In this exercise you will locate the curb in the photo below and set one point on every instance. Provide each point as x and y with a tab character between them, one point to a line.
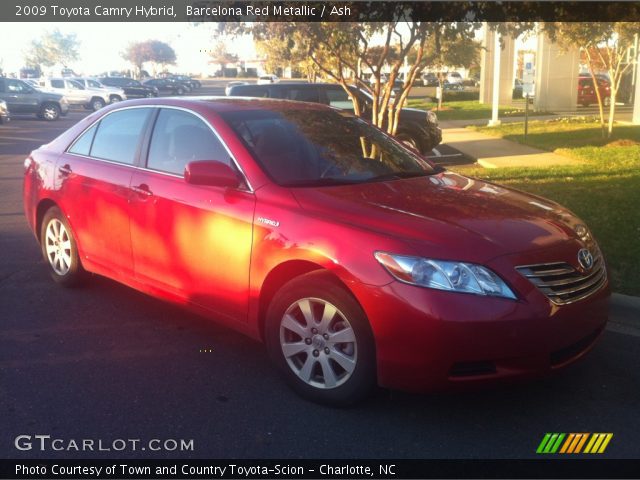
624	314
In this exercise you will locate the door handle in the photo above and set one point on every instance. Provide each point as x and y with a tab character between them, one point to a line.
142	189
65	170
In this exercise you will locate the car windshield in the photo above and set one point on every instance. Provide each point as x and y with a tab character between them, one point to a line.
299	147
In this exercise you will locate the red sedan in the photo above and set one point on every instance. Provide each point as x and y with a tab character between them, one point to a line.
587	93
353	258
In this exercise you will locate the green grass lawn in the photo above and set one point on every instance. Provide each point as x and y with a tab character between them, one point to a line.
604	190
468	109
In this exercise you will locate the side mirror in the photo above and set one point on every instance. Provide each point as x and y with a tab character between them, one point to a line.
211	173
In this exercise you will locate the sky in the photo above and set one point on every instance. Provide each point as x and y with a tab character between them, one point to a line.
102	43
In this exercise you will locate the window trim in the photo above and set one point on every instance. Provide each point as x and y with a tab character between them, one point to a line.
146	138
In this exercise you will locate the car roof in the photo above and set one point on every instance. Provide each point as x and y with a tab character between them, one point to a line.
229	104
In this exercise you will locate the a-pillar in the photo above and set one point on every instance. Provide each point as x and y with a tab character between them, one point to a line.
556	77
487	55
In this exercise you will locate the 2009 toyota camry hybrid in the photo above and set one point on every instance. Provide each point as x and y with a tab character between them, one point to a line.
352	257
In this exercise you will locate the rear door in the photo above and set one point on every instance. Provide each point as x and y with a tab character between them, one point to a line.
94	175
193	242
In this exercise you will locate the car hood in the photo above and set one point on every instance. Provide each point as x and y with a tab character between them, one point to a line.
47	95
446	211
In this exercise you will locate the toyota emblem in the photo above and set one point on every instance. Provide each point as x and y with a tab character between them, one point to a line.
585	259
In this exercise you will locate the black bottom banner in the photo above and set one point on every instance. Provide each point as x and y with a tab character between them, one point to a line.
318	469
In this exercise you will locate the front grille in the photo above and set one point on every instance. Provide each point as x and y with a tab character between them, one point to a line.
562	283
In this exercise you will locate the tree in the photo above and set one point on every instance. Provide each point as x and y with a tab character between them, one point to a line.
606	46
154	51
450	45
52	48
161	53
221	56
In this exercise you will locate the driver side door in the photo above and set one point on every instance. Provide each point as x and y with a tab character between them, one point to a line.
192	242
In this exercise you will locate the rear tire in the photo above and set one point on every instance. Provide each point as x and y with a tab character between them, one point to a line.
97	104
321	341
49	112
60	250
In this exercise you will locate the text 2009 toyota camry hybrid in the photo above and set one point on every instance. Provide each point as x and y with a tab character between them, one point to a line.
353	258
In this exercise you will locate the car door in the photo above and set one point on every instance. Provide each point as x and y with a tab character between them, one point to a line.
20	97
94	176
76	93
191	241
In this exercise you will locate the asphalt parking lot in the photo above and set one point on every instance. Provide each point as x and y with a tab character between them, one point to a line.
106	362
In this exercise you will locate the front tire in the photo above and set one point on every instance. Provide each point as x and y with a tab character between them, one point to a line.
60	250
409	140
320	339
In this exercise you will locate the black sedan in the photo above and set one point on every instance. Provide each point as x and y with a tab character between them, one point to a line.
168	86
132	88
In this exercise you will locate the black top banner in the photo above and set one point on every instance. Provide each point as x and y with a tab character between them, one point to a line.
303	11
317	469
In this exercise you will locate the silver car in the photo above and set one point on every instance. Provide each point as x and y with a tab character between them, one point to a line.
115	94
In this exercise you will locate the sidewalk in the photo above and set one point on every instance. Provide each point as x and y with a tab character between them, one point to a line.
494	152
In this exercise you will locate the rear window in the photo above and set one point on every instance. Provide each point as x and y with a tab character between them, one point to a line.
119	134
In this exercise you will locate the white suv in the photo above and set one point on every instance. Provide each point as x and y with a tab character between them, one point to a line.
76	93
115	94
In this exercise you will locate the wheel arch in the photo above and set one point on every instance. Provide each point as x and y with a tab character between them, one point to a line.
43	206
285	272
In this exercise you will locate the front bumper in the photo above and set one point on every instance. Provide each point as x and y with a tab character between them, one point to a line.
430	340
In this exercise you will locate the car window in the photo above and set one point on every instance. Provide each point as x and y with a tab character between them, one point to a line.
304	95
94	84
249	91
339	98
82	146
302	147
57	83
118	135
16	86
180	137
74	85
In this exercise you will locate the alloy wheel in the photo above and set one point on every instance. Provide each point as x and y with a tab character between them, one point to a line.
58	247
318	343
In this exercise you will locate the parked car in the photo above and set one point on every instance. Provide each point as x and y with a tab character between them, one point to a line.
5	116
353	258
132	88
454	78
192	82
227	89
416	128
430	80
22	98
587	93
168	86
267	79
115	94
76	93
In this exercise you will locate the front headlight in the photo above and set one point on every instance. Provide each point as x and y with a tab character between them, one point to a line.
445	275
432	117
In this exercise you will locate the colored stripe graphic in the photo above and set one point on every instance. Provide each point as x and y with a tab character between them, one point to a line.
574	443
